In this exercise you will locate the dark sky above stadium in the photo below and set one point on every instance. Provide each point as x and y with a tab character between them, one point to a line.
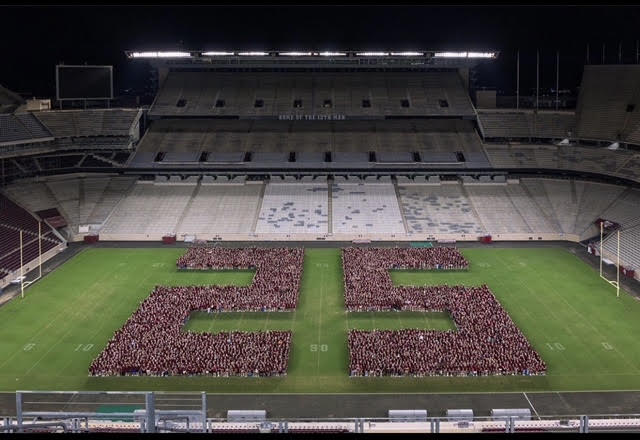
36	38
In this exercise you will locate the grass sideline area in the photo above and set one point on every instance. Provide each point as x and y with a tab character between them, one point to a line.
587	337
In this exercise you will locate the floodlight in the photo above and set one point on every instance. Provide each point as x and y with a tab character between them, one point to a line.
160	54
451	54
481	54
296	54
407	54
332	54
372	54
217	54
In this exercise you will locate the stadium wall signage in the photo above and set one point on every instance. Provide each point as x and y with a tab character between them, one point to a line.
311	117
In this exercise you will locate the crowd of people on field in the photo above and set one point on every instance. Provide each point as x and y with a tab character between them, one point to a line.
485	342
152	341
275	286
367	281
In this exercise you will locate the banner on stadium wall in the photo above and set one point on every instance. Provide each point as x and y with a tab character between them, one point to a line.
169	239
289	117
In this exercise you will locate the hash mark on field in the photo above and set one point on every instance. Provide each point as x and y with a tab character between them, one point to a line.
607	346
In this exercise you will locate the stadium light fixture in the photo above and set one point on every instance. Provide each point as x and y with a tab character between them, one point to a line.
481	55
217	54
372	54
407	54
465	54
253	54
160	55
332	54
296	54
451	54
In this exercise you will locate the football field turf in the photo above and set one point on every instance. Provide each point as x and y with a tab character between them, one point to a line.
587	336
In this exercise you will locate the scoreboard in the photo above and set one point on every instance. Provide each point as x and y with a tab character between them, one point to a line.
84	82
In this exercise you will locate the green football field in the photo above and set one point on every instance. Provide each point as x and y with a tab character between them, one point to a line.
587	336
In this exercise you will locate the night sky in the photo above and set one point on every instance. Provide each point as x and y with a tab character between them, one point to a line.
41	36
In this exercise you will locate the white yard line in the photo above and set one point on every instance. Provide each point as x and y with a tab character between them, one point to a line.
531	405
320	317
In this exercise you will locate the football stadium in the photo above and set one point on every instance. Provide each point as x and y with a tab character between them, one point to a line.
321	241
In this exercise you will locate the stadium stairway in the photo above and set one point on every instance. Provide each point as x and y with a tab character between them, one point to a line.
574	197
398	199
473	207
52	196
592	232
256	215
124	196
552	219
194	194
520	213
107	160
16	164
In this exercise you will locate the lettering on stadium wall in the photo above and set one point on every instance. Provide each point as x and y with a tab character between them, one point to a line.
311	117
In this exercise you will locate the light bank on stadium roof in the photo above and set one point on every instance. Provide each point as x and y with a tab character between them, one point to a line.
222	53
389	59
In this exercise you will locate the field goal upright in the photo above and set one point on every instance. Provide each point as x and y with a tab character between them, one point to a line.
615	283
24	283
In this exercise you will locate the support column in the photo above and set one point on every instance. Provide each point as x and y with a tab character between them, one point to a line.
19	410
584	425
620	52
204	412
557	78
150	407
518	79
537	78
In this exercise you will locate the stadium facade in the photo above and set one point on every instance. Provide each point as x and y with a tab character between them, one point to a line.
330	146
357	147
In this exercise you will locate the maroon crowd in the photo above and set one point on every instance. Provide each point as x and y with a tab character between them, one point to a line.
368	285
485	342
152	341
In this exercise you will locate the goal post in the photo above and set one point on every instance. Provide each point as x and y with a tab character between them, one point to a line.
615	283
24	283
